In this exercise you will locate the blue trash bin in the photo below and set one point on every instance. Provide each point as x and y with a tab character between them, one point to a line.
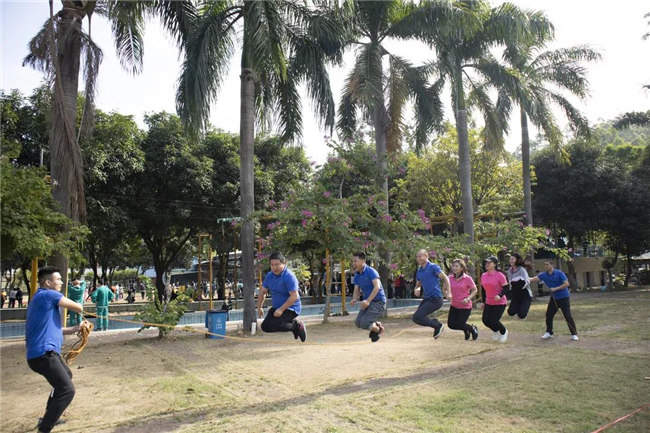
215	321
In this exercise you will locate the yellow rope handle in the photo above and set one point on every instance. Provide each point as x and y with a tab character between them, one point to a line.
84	330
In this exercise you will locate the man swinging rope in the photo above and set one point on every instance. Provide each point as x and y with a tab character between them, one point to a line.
558	283
43	340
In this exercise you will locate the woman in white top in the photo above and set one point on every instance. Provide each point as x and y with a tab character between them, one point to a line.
519	288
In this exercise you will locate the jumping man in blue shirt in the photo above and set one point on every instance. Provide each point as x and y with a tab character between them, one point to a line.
428	278
372	307
558	284
43	340
285	300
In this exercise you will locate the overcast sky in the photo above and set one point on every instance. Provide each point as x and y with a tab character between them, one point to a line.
613	28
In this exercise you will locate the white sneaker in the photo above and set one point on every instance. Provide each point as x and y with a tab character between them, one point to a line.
574	338
496	335
503	337
546	336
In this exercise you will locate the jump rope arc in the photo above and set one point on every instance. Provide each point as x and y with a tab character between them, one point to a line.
78	346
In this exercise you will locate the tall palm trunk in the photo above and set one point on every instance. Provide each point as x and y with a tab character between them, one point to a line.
246	148
525	162
65	155
464	165
380	120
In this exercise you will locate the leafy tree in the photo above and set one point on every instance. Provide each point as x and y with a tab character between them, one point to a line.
112	158
30	227
24	120
171	197
432	184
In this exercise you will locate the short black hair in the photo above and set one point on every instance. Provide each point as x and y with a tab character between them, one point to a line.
360	254
46	271
276	255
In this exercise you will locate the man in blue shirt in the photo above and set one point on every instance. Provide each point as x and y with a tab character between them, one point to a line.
285	300
428	278
372	307
43	339
558	284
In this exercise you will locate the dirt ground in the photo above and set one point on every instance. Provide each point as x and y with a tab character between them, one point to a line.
339	382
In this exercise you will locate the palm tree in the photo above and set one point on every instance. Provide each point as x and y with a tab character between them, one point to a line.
468	50
380	94
540	78
283	43
57	50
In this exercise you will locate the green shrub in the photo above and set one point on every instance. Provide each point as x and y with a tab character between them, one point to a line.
163	313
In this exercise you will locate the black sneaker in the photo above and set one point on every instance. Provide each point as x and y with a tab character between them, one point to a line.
438	331
474	332
296	326
374	336
302	331
466	332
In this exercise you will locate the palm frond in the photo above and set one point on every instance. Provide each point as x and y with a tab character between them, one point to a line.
178	16
127	25
398	93
92	55
495	127
205	65
39	48
263	41
633	118
577	121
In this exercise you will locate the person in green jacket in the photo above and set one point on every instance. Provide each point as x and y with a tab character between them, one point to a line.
101	297
76	290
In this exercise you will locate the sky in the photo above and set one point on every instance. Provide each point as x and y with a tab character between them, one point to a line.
615	29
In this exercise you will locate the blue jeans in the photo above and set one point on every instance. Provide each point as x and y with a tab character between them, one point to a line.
426	307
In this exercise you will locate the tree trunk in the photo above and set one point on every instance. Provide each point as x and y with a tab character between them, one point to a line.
66	166
628	269
159	267
380	123
246	149
464	165
328	291
525	162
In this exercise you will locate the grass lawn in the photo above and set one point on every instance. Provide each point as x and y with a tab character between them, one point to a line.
404	383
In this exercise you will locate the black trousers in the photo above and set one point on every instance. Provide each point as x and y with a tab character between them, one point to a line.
520	300
565	305
57	373
284	323
492	317
457	318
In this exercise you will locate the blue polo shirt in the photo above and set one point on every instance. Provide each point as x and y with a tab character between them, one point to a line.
280	287
43	327
555	279
364	280
428	276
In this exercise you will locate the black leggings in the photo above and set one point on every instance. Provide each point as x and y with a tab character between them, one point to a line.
565	305
284	323
59	376
492	317
457	319
520	303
